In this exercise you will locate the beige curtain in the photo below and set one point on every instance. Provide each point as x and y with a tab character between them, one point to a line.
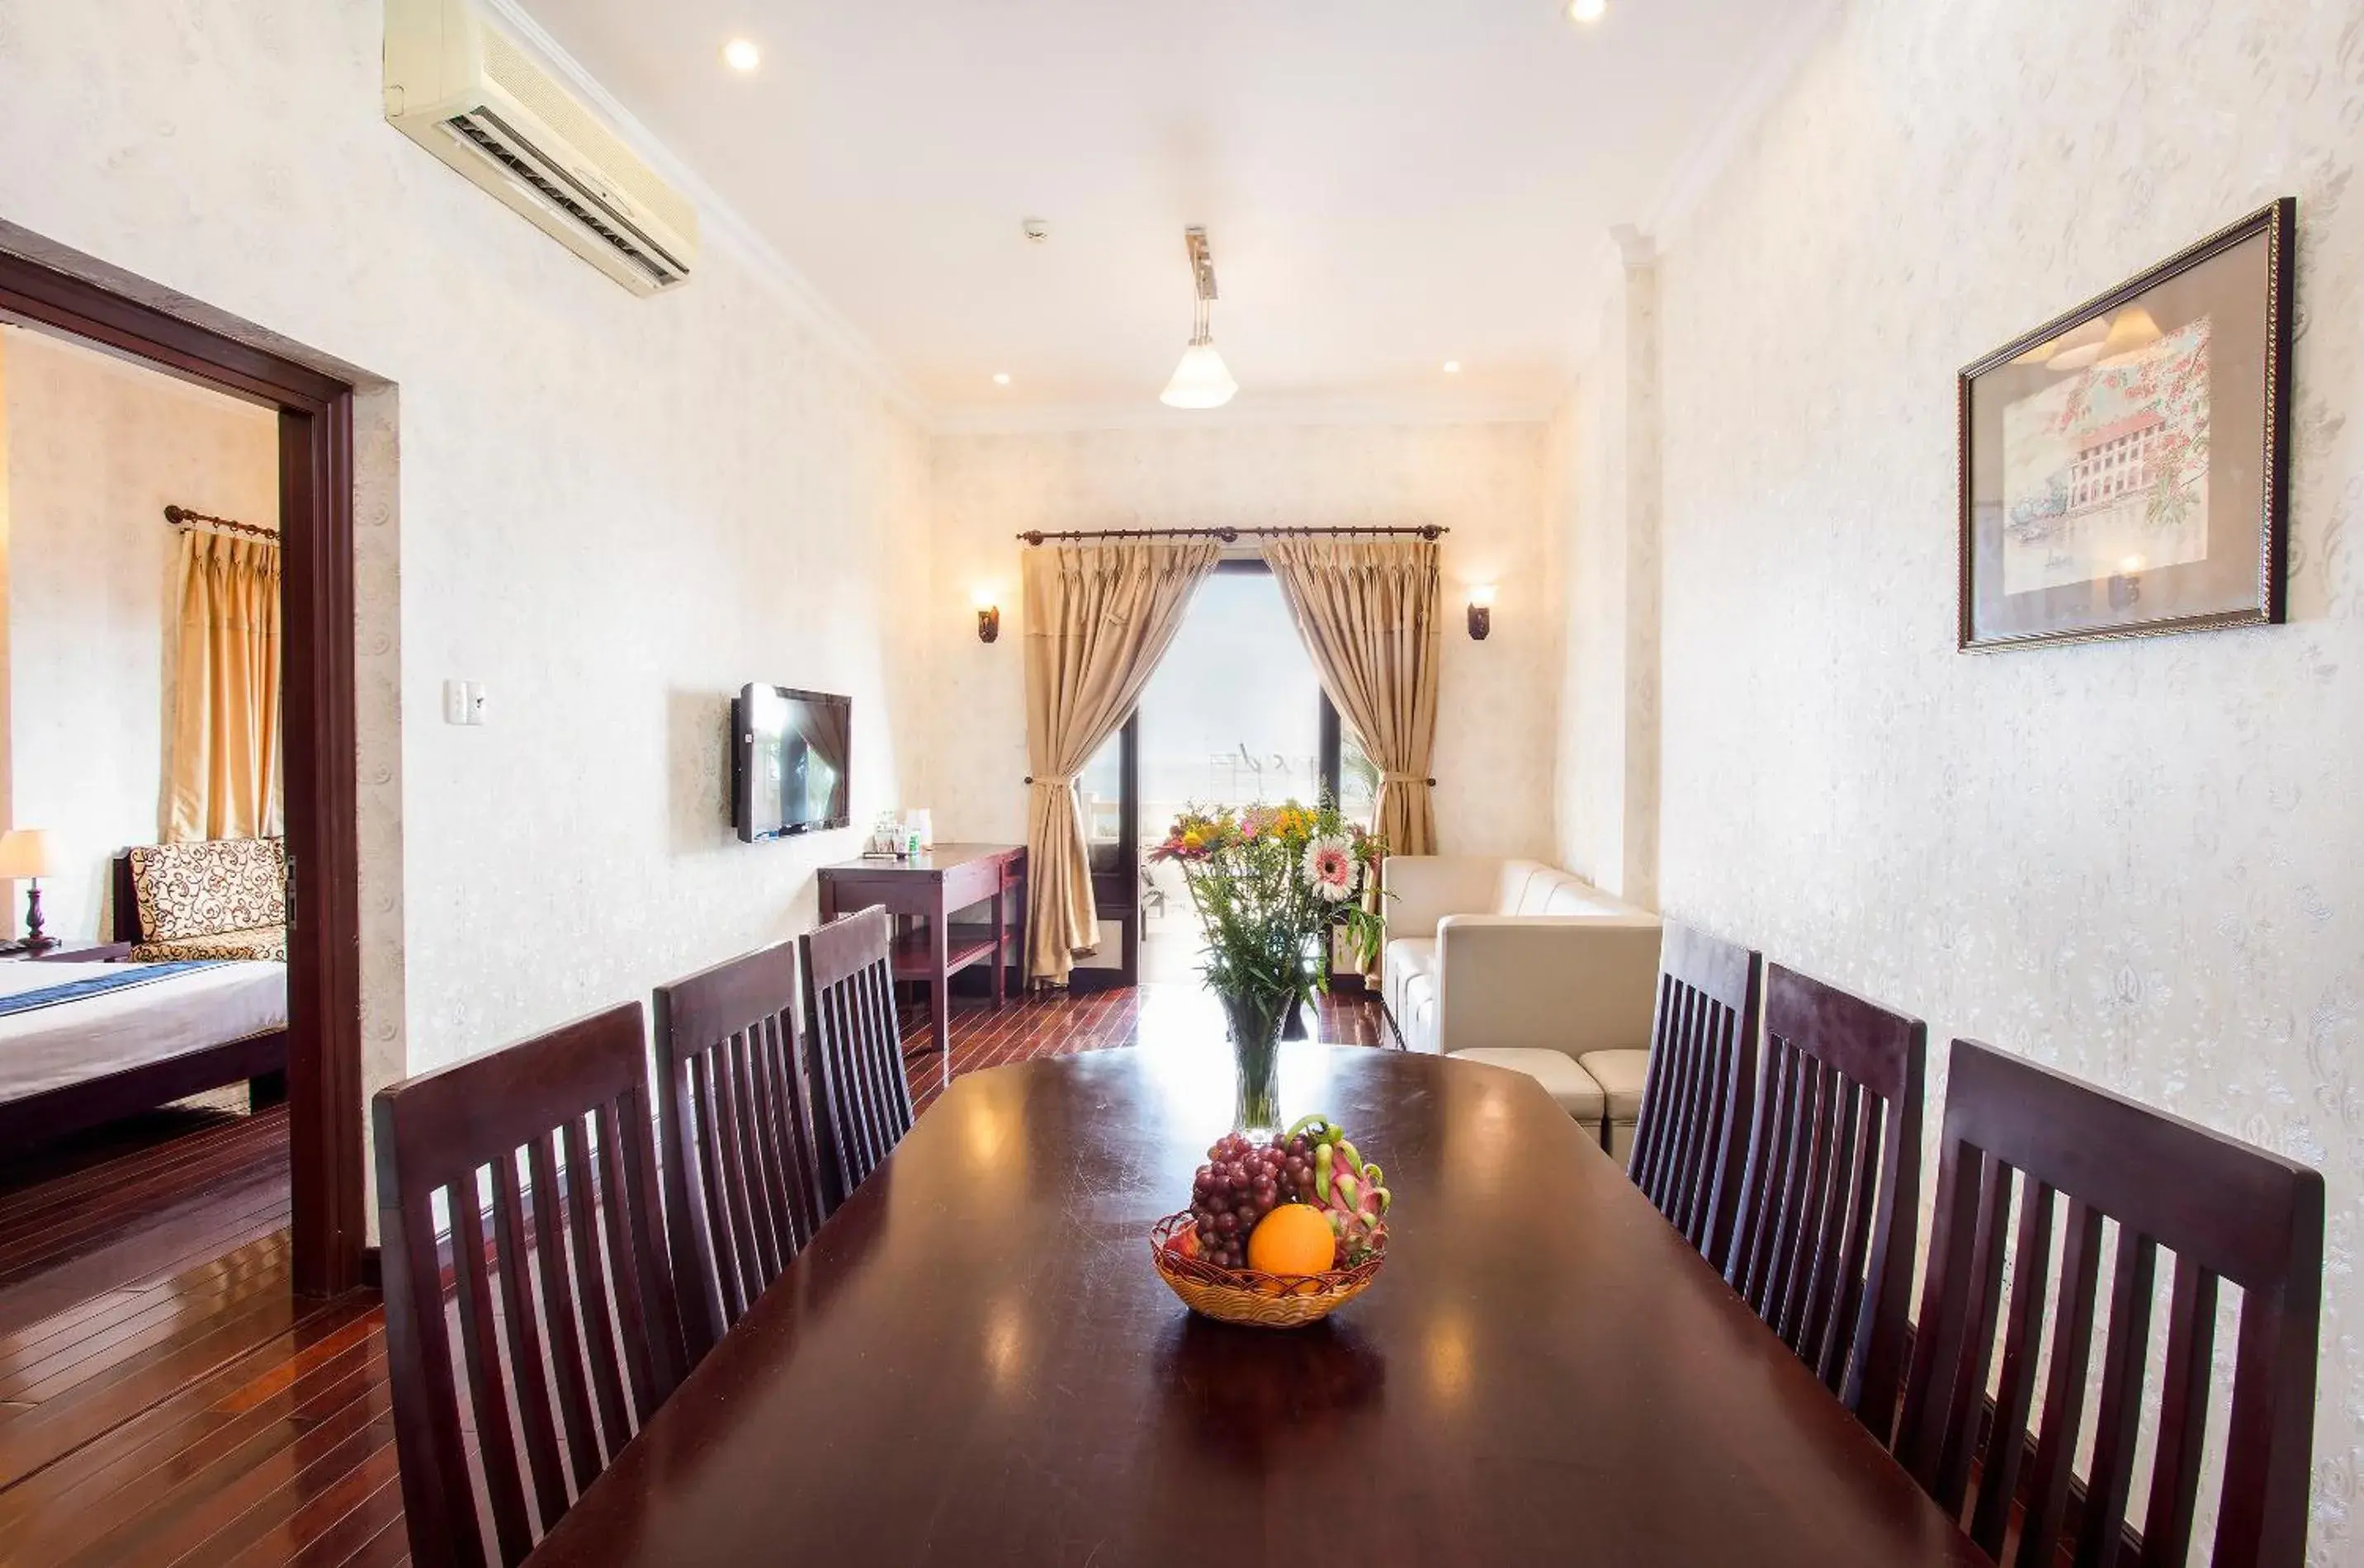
224	733
1371	614
1098	617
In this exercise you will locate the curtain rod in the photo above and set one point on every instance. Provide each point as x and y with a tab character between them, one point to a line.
182	517
1229	536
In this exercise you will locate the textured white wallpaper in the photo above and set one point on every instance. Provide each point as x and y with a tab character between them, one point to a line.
2140	862
613	511
1495	727
1604	474
96	449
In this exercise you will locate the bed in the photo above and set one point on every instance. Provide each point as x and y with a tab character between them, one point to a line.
86	1043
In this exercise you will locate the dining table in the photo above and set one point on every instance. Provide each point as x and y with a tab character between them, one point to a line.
975	1361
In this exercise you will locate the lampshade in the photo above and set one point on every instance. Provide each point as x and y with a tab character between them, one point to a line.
1200	380
27	851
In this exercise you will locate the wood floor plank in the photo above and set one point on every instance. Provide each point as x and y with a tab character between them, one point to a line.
157	1448
144	1492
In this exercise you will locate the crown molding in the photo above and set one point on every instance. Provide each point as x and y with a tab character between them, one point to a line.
1712	152
719	220
1077	418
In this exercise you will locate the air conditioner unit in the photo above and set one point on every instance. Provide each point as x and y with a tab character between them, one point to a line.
462	87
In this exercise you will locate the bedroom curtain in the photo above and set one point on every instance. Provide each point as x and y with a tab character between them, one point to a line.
224	732
1098	617
1370	612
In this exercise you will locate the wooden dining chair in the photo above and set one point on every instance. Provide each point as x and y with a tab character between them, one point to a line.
1693	1134
1823	1243
741	1167
2226	1211
569	1297
858	1049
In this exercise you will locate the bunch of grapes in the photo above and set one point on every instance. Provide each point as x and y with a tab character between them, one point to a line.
1240	1182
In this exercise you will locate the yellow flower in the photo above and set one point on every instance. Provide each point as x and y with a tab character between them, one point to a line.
1194	840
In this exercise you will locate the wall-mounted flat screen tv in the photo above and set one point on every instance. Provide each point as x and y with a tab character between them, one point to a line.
792	760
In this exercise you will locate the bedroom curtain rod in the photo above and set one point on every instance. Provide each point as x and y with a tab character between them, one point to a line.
182	517
1230	535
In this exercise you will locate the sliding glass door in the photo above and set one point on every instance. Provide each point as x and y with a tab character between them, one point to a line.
1235	716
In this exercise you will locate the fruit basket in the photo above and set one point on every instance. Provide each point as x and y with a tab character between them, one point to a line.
1251	1296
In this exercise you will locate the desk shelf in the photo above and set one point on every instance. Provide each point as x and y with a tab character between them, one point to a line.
914	956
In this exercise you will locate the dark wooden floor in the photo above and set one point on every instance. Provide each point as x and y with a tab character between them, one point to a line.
165	1399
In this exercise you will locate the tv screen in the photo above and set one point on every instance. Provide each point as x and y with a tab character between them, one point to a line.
792	755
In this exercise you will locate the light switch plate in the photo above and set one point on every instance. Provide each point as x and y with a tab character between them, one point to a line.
455	702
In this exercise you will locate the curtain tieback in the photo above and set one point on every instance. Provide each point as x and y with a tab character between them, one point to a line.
1408	779
1056	780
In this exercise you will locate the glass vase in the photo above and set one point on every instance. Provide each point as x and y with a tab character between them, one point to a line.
1255	1020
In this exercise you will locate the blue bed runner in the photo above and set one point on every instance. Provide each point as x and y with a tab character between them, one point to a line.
100	984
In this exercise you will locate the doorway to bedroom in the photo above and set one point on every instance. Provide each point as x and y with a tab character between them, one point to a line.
180	1057
143	947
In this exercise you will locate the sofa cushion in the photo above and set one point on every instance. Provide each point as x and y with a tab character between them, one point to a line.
1621	1076
1563	1078
1620	1142
1570	896
1406	956
263	944
1525	884
1415	1013
208	886
1405	959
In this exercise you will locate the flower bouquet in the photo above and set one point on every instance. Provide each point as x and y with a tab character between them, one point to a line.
1270	884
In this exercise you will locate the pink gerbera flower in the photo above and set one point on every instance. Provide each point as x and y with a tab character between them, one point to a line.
1330	867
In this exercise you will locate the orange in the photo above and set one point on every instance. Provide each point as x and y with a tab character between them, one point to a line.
1293	1240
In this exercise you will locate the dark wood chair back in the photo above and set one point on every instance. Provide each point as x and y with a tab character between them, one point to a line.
2226	1211
571	1295
1823	1247
1693	1133
741	1168
857	1050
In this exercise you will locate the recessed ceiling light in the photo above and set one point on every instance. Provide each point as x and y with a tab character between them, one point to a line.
1453	367
1586	10
1001	378
741	54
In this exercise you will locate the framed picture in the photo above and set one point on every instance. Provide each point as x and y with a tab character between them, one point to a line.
2124	468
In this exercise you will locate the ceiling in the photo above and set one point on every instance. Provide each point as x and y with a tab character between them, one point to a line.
1387	183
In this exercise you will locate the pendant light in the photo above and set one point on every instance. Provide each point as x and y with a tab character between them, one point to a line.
1201	380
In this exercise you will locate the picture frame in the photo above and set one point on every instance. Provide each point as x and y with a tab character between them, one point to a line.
2124	470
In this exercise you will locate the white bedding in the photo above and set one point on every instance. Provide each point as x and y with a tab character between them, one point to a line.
73	1042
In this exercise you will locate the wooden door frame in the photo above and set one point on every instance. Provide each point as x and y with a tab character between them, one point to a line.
316	520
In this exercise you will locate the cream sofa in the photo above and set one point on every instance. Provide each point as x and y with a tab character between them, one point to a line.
1513	964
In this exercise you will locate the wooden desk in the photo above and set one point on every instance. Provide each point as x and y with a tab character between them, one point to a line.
931	888
973	1362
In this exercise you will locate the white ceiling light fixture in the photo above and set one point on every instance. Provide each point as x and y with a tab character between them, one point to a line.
741	54
1453	367
1586	10
1201	380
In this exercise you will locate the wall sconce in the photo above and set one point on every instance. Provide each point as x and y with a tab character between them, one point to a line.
988	618
1481	611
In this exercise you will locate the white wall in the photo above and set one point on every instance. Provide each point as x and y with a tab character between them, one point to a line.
2141	861
1484	482
1606	498
97	448
613	511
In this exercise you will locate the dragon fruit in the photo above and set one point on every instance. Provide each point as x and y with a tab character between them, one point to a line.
1351	1194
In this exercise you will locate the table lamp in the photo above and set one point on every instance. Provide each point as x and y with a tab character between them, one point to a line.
26	853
